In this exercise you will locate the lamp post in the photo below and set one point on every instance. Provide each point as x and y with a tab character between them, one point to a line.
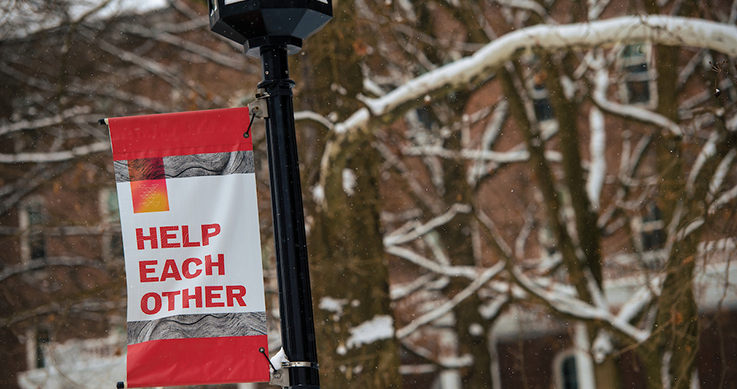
272	29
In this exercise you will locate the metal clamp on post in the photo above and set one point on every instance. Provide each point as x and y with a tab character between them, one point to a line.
258	107
311	365
281	377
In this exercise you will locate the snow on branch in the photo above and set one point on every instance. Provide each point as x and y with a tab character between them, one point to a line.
87	90
499	241
597	295
639	301
491	133
392	239
379	328
573	307
12	193
596	8
315	117
56	156
601	82
204	52
528	5
494	308
658	29
499	157
453	271
85	307
597	168
725	198
709	150
442	362
732	123
397	292
44	122
446	307
720	173
158	69
417	189
50	262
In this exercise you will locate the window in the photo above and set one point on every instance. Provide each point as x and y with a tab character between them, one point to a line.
112	240
638	81
111	207
33	217
652	236
573	369
568	373
541	97
42	339
37	343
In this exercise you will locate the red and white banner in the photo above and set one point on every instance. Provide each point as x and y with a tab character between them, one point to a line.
189	218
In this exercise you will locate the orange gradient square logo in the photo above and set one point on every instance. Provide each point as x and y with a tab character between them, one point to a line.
148	185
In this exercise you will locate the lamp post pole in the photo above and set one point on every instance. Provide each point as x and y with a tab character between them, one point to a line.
272	29
295	299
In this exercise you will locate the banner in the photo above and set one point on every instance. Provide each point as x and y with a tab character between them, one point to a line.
189	219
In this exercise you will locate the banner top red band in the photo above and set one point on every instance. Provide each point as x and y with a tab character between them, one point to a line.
185	133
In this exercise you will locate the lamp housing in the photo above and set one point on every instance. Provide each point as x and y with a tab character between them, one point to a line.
256	23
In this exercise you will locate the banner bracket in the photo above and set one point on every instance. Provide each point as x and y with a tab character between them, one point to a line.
281	377
263	352
258	107
312	365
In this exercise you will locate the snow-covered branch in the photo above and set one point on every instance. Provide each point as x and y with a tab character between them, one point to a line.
658	29
417	189
12	193
597	168
148	65
524	234
50	262
74	308
499	157
90	90
528	5
158	69
56	156
442	362
397	239
722	200
237	63
709	150
601	82
314	117
44	122
720	173
575	308
498	240
452	271
446	307
491	133
397	292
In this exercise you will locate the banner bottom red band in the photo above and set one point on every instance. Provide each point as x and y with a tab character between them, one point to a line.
197	361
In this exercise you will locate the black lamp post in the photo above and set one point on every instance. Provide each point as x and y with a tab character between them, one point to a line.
272	29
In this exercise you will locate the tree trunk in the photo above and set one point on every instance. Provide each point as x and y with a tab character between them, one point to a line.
676	335
350	272
349	269
471	329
